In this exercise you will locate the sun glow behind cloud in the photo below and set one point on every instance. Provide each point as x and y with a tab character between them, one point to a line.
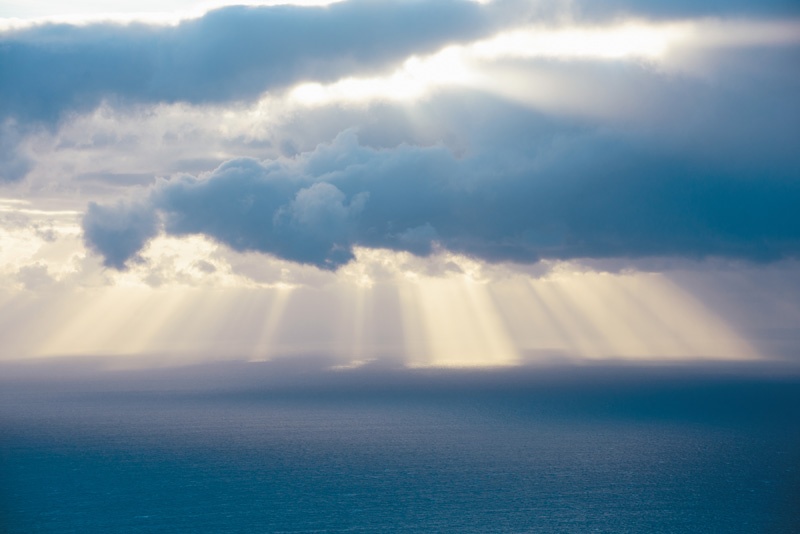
657	44
626	41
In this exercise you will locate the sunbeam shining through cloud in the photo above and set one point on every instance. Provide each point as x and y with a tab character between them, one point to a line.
416	266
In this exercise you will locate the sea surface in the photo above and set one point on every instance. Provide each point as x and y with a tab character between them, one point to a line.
511	452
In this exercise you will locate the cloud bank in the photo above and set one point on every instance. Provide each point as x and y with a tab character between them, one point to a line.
615	200
237	53
119	232
690	161
230	54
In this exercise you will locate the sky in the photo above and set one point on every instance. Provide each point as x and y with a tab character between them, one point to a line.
405	183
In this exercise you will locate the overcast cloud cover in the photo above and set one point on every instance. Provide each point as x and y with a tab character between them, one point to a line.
618	201
674	144
232	53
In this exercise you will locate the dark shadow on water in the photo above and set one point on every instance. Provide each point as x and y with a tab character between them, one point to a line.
293	446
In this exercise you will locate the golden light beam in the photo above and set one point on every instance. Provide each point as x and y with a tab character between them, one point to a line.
530	325
500	350
359	325
267	344
152	320
573	331
467	319
609	316
635	294
460	324
415	342
702	330
87	322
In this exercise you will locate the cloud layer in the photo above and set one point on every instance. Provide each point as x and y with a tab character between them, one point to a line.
600	197
691	154
230	54
237	53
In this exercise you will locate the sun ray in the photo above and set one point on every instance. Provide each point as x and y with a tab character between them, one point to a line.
267	345
359	325
705	333
85	325
500	350
528	321
415	343
636	291
573	332
461	325
152	320
609	316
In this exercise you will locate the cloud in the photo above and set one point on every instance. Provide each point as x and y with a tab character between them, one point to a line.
118	144
683	8
230	54
237	53
620	159
13	165
595	195
120	231
35	276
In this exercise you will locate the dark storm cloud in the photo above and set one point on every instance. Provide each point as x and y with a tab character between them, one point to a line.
598	195
230	54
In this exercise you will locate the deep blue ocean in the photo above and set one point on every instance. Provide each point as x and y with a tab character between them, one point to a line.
590	451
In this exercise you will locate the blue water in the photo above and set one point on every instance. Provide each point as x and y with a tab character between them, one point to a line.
430	455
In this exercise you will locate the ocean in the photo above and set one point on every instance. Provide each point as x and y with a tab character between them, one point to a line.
592	450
